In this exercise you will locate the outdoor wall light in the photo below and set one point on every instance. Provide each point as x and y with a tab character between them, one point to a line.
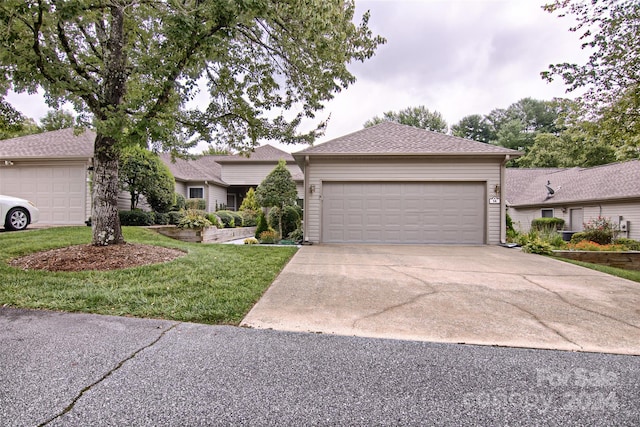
496	189
312	188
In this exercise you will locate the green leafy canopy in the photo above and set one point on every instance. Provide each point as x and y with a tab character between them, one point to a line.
136	65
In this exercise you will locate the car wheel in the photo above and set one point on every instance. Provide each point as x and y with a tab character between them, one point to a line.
17	219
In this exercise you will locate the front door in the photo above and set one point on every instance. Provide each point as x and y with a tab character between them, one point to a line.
577	219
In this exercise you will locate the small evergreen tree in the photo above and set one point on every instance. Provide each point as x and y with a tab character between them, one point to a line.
143	173
250	203
277	190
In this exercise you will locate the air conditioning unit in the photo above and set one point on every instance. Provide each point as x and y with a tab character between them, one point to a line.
624	226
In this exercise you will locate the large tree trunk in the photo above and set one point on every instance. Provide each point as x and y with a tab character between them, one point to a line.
105	221
104	212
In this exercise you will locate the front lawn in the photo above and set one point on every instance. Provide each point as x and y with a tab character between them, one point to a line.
619	272
215	284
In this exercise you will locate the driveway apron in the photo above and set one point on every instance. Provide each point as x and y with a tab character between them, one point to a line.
484	295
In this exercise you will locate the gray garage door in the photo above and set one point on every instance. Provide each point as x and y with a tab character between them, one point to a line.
403	212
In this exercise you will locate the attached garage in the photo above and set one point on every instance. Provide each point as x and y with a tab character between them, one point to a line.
59	191
404	212
51	170
398	184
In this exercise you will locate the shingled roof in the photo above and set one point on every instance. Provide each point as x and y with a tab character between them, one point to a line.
264	153
615	181
57	144
201	169
389	138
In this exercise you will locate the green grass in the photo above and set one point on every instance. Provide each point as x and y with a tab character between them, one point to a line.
214	284
619	272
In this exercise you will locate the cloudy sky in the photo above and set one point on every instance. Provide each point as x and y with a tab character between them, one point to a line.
458	57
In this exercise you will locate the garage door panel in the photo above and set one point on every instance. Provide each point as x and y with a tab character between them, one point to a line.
58	191
411	212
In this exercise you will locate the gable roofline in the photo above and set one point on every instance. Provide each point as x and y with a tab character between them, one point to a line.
263	154
525	188
394	139
53	145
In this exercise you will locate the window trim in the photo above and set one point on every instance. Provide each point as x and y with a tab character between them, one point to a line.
547	209
201	188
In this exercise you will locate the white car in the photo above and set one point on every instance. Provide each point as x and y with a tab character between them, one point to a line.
17	213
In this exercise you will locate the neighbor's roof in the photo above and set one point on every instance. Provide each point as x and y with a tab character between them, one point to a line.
57	144
389	138
615	181
264	153
201	169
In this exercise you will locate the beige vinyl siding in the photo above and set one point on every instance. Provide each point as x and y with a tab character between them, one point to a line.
215	194
251	174
300	189
402	169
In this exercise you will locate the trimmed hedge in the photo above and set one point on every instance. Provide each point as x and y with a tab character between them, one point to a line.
136	218
228	220
547	223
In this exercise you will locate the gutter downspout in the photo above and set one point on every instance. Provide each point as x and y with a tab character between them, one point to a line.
305	212
503	202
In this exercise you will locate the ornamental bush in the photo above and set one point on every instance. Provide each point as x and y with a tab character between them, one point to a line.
198	204
261	224
194	219
228	220
290	218
136	217
269	236
600	230
547	223
630	244
249	218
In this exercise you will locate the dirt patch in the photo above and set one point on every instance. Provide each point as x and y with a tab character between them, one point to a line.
101	258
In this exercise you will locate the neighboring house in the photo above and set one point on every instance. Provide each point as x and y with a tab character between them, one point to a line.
225	180
52	169
392	183
577	195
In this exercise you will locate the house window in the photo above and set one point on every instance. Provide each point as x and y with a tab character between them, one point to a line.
196	192
547	213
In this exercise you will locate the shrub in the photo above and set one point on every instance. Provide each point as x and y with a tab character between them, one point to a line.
290	219
537	246
630	244
161	218
181	203
600	230
261	224
227	219
136	218
237	218
547	223
250	203
585	245
578	237
296	235
199	204
269	236
251	241
249	218
214	220
175	217
194	219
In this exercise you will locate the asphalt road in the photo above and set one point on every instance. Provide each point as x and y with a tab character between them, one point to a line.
75	369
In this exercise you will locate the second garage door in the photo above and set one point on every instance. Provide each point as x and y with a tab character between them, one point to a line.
403	212
59	192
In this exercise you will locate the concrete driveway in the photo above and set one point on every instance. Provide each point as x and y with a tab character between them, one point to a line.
460	294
